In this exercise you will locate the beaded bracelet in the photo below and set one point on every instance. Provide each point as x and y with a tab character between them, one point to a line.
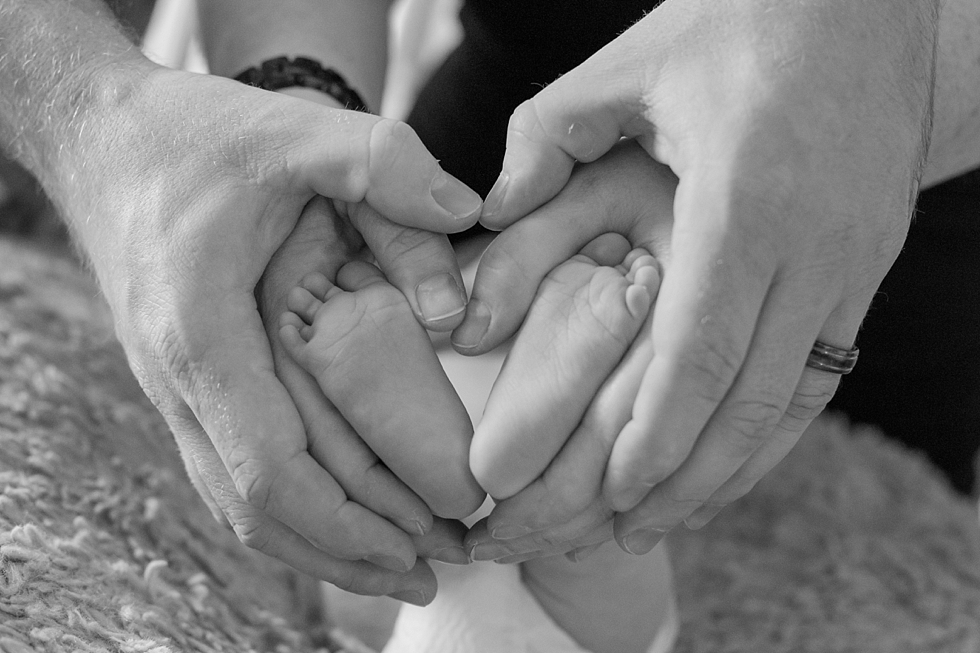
283	72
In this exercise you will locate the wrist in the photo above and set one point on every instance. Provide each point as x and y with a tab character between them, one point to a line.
302	72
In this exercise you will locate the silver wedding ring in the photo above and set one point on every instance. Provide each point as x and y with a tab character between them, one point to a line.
832	359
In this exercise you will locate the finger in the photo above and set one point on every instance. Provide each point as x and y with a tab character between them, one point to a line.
812	395
590	529
263	533
366	480
751	411
420	263
572	483
626	193
444	542
558	539
246	412
562	124
715	271
355	157
582	554
190	464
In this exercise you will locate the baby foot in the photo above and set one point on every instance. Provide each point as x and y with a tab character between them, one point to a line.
362	334
582	320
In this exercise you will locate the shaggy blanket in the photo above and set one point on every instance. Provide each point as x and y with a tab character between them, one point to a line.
851	544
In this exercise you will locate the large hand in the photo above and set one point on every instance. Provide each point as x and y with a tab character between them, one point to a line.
797	131
194	184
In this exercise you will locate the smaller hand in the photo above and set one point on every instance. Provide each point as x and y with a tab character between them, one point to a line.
624	195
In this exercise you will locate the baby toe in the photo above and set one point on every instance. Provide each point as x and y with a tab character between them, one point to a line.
303	304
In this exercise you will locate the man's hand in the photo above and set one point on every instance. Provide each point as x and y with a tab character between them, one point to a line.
195	182
797	132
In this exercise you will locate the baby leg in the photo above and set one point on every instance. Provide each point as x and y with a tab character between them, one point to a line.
610	603
580	324
362	334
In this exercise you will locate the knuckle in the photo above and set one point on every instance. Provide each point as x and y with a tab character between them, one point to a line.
253	482
407	243
808	402
347	583
389	139
751	422
256	534
500	261
525	121
713	364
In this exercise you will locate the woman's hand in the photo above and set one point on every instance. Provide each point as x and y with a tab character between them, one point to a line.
625	192
797	132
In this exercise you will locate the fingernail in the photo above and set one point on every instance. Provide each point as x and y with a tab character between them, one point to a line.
453	555
581	135
439	297
495	198
455	196
469	334
420	527
700	518
422	520
582	554
484	552
415	597
509	532
642	540
388	562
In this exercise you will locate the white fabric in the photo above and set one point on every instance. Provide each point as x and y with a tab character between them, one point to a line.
485	608
481	608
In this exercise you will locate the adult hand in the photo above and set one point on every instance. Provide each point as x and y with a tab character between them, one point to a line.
797	132
193	183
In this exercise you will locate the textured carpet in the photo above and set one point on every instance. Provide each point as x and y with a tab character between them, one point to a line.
850	545
104	546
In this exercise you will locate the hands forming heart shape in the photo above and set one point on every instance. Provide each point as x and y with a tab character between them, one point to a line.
660	370
367	357
380	413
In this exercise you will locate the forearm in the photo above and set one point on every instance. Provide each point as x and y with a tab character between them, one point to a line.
62	62
347	35
955	146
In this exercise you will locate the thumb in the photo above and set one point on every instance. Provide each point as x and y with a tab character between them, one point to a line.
579	117
383	162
